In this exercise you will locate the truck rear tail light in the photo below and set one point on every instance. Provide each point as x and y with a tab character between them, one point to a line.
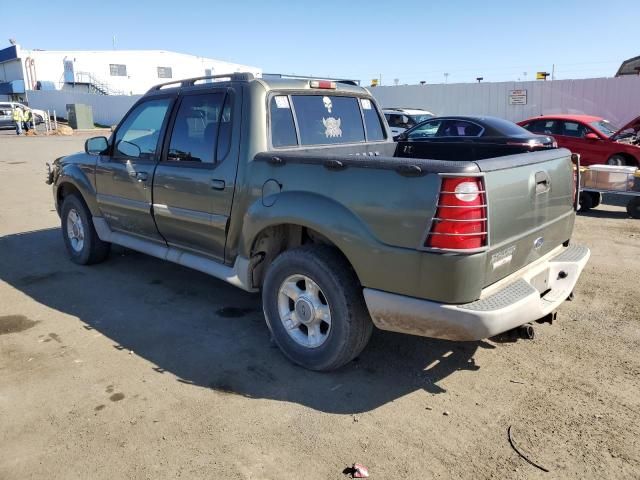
461	215
325	84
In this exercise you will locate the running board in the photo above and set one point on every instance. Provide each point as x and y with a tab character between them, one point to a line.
237	276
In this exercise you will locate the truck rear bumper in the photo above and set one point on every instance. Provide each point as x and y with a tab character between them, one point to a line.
524	296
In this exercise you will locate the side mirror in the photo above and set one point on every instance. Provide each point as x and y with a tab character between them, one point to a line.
402	136
96	145
128	149
591	136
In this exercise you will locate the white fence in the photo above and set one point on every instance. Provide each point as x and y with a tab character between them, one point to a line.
107	109
617	99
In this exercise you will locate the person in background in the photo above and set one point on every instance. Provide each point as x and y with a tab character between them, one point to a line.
18	119
28	118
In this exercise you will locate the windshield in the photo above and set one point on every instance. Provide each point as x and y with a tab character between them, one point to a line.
421	118
605	127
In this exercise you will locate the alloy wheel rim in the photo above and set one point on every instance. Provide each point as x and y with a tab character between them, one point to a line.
304	311
75	230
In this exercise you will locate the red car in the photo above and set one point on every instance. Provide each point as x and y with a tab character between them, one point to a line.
594	138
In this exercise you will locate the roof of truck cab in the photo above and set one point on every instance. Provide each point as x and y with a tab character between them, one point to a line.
268	83
304	84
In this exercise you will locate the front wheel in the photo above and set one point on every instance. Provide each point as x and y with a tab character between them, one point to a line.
314	307
617	160
80	237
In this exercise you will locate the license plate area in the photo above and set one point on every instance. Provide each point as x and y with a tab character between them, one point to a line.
541	281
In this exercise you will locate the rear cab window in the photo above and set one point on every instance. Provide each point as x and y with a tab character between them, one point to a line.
312	119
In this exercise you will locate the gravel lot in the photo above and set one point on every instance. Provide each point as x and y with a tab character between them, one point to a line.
137	368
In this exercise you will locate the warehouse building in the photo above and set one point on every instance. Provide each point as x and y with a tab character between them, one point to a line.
108	72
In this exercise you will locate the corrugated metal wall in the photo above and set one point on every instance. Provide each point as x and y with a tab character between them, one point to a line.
107	109
617	99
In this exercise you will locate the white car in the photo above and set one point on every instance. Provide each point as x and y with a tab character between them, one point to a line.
6	113
401	119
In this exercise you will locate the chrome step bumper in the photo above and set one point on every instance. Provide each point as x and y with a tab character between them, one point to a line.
499	309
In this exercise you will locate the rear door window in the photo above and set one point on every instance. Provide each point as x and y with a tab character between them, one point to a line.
426	130
459	128
573	129
542	126
195	131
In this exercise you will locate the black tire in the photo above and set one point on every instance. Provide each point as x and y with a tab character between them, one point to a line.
633	207
92	249
586	201
619	160
596	198
351	326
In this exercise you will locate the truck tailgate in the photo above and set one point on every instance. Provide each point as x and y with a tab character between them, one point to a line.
530	200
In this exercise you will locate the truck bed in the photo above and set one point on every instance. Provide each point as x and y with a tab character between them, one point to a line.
392	202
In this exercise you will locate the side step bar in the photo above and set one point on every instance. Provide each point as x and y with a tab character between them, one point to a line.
238	275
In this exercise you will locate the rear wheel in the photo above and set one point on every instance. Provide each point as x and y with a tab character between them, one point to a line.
596	198
633	207
79	235
314	308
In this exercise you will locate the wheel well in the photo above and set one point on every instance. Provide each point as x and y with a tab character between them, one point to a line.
65	190
629	159
274	240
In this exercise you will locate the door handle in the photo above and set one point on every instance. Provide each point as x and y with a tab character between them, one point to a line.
140	176
217	184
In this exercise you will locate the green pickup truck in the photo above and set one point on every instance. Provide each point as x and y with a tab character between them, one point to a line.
293	187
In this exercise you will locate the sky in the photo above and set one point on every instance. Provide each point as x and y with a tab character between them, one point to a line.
408	41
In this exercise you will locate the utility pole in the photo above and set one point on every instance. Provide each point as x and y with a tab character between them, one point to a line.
446	77
113	42
553	71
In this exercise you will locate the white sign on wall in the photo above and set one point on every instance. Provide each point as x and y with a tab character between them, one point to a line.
517	97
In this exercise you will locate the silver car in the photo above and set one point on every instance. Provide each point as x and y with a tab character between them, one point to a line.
6	113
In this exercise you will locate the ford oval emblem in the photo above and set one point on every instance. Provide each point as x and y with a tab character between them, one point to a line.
537	243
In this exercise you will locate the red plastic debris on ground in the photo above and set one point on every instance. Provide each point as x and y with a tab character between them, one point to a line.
360	471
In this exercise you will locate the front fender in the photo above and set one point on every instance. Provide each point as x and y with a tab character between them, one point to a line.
371	259
79	176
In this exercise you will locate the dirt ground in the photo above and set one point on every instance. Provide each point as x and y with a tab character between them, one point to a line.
137	368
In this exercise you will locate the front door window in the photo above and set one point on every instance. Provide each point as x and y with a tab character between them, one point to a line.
139	134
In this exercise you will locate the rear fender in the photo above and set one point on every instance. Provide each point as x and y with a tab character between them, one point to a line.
322	214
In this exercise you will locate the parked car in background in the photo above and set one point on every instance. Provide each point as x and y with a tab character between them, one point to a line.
468	138
401	119
6	113
594	138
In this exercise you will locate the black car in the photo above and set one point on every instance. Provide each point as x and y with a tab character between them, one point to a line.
468	138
